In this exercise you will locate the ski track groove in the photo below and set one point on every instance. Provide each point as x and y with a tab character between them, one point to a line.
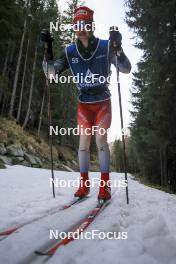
47	213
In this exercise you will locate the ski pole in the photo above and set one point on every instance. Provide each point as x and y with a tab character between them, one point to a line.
49	119
122	131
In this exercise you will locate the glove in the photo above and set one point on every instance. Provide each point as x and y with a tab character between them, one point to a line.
115	39
46	40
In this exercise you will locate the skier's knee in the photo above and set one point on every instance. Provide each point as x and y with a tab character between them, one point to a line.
101	140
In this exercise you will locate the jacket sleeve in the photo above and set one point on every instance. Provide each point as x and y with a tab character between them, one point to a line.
123	62
56	66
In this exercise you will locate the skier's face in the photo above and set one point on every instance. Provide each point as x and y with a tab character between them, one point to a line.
83	31
83	35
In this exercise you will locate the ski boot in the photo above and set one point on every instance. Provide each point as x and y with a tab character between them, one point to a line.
84	188
105	189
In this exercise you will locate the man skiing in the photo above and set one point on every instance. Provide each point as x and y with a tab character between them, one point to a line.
91	57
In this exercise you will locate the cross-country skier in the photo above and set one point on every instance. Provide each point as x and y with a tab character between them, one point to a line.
91	58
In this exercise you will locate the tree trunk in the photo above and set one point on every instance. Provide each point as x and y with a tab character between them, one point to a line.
22	85
4	101
17	69
11	56
161	166
31	89
5	68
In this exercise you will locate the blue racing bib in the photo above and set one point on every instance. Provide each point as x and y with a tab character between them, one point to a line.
90	72
93	72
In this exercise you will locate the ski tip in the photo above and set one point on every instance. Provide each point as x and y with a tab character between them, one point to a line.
66	206
9	231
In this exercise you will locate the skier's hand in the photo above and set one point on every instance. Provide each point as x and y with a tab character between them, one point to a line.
46	40
46	37
115	39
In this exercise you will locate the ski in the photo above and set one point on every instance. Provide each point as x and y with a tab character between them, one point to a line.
78	228
11	230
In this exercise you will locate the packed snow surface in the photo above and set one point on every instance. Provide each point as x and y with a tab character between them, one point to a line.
149	221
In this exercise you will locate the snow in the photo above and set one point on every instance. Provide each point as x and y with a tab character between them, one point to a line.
149	221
